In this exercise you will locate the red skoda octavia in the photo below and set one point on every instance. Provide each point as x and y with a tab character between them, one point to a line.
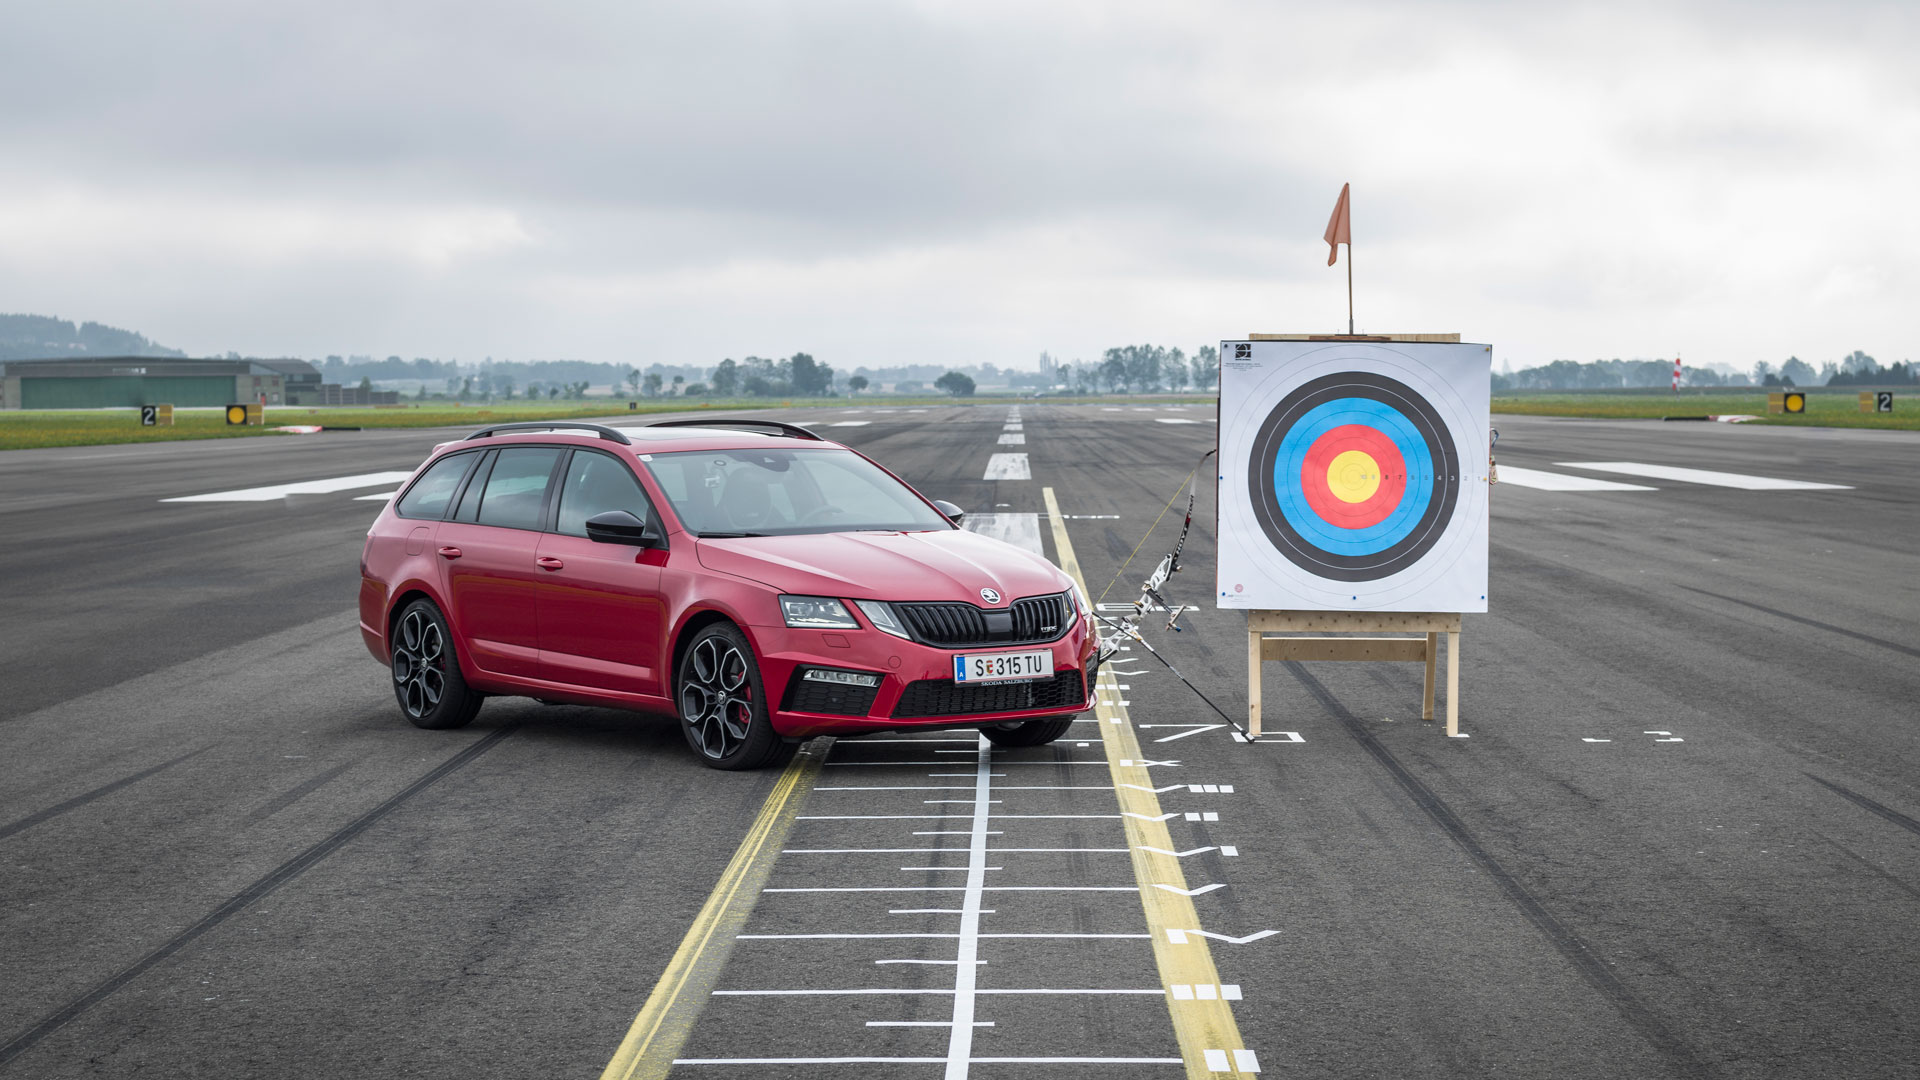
761	584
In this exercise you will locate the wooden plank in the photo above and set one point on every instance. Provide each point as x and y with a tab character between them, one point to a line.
1453	684
1253	683
1354	622
1438	339
1433	654
1343	648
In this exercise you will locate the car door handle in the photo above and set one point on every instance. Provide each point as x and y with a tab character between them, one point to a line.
449	552
548	562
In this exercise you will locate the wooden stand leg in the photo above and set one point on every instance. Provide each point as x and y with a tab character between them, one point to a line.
1453	683
1253	683
1433	659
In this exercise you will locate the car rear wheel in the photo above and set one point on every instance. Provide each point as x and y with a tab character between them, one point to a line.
1031	733
723	706
426	673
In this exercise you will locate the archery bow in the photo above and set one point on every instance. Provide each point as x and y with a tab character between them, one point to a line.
1151	598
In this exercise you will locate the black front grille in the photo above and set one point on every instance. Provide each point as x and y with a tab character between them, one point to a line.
833	699
944	697
1041	618
1030	621
945	624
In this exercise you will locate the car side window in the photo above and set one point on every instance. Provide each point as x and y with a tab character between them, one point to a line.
469	509
516	490
429	495
596	483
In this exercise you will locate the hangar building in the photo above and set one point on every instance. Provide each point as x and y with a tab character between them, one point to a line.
99	382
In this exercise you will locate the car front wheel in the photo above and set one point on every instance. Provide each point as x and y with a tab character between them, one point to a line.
1031	733
723	706
426	673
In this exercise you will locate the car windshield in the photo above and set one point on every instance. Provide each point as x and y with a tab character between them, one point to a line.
720	493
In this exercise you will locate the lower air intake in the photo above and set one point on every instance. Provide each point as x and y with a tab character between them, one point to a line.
944	697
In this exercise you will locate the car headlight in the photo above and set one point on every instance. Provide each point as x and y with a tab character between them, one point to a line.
882	618
817	613
1080	598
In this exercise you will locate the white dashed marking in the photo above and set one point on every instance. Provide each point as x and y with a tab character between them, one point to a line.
1552	481
1020	530
1703	476
304	487
1008	467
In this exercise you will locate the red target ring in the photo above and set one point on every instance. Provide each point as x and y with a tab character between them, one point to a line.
1348	490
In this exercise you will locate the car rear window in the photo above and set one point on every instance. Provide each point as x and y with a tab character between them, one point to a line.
429	495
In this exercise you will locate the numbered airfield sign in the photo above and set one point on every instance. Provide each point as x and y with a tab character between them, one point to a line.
1353	476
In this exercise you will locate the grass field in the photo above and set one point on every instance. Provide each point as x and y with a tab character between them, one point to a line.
27	429
1825	408
37	428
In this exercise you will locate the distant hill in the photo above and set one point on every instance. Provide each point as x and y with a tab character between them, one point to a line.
34	337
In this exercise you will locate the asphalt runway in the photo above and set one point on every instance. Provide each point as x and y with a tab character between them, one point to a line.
1681	839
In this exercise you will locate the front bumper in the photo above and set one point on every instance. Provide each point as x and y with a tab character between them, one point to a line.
916	682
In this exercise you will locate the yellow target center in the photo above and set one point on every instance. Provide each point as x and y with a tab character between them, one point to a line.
1353	476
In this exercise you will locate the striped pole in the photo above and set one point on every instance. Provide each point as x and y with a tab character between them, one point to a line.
1676	374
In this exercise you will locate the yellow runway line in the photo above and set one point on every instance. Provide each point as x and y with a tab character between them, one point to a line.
1200	1025
665	1020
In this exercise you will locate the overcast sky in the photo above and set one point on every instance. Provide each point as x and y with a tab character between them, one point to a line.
960	183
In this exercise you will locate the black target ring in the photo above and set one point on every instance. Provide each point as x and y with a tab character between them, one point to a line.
1431	454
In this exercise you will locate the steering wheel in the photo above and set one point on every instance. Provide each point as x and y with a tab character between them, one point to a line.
818	515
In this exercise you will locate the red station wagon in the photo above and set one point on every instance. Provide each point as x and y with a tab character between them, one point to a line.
760	583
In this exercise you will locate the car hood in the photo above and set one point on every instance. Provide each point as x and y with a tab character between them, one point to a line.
947	565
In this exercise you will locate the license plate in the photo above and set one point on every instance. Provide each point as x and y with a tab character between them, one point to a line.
1002	666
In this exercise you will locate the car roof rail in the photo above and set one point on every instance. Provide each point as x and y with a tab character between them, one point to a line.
791	431
552	425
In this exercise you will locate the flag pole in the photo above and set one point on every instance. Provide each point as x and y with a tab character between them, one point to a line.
1349	288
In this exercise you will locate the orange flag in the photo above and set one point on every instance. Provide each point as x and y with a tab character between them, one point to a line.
1340	226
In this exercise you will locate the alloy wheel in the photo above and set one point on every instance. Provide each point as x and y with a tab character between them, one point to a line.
420	663
716	697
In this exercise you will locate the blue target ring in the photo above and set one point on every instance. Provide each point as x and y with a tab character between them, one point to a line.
1290	461
1394	418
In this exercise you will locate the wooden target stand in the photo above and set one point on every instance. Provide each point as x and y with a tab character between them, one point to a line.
1362	631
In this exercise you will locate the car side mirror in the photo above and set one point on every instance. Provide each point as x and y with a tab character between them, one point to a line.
952	512
621	527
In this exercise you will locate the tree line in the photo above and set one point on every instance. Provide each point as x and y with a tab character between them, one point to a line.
1854	369
43	337
1138	369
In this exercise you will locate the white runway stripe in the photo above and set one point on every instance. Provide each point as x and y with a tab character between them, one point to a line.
1173	420
1020	530
382	496
1008	467
850	423
1550	481
1702	476
304	487
1013	438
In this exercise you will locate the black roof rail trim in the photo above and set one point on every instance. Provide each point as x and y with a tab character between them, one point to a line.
793	431
551	425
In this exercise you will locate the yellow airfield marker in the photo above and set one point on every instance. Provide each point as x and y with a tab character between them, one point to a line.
667	1018
1209	1038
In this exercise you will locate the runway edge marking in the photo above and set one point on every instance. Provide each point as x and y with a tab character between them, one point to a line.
667	1018
1205	1028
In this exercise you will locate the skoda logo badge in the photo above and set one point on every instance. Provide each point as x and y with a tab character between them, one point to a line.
991	596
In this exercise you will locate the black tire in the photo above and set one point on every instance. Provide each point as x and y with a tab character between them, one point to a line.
426	671
1032	733
723	704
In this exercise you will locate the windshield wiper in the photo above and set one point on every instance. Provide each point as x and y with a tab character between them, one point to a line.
730	535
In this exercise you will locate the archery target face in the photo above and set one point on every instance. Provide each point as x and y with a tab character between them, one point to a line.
1353	476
